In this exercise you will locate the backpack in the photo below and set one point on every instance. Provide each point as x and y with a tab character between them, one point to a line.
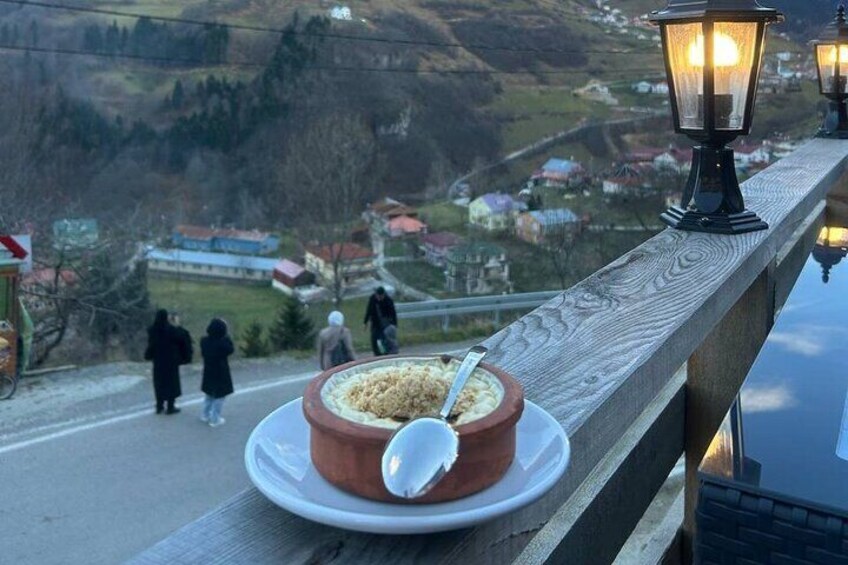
339	355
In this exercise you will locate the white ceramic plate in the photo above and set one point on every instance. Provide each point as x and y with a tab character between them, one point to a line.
278	462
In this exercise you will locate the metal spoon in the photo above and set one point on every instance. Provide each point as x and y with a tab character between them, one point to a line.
423	450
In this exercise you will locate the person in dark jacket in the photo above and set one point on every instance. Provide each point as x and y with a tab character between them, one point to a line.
163	348
381	313
183	340
217	383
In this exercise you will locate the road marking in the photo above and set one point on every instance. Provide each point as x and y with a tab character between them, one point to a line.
118	416
90	423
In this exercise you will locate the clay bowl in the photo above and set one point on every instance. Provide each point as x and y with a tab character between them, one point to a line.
348	454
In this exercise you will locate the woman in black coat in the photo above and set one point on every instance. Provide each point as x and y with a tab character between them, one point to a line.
217	383
164	349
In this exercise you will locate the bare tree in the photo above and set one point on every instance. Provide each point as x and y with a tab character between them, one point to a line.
559	246
98	293
328	174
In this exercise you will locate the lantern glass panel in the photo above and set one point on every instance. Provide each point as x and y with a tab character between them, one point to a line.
734	48
830	57
687	74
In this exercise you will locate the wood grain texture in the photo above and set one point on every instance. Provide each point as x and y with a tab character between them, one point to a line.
594	357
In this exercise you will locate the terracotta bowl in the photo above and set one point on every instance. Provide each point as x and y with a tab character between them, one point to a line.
348	454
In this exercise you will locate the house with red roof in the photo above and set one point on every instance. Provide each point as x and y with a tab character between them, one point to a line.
437	245
379	214
355	263
629	180
644	155
198	238
404	226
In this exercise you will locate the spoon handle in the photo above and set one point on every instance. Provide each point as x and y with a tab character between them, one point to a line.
472	359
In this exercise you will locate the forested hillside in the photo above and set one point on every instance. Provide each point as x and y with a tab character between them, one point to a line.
195	121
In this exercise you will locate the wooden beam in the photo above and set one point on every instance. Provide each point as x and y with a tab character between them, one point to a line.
716	373
614	496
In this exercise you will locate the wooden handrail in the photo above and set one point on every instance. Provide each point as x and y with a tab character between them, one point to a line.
604	359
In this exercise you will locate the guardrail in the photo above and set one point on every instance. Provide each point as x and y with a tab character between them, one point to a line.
604	359
473	305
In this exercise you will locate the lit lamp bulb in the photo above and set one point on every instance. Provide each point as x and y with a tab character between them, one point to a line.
837	57
824	237
843	55
725	51
725	59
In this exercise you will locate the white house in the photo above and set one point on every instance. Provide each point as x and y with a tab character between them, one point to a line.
746	155
660	87
643	87
341	13
676	160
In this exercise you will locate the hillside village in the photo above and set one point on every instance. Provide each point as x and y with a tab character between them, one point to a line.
465	257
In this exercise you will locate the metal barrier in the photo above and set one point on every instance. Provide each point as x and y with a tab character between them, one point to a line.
473	305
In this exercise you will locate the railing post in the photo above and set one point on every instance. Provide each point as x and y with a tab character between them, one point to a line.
715	375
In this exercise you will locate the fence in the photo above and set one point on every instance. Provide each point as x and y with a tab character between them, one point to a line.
495	304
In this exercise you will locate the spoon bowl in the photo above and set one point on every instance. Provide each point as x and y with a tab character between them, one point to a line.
434	447
422	451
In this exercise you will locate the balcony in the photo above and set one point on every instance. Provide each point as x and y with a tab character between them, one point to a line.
640	363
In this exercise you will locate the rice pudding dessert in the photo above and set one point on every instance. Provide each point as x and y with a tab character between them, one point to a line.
386	395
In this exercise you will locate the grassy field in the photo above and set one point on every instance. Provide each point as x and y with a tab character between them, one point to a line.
198	302
797	109
529	113
445	216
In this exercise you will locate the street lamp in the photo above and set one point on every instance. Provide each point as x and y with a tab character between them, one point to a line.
713	50
832	63
830	249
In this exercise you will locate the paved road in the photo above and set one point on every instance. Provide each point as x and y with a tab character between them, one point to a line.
89	475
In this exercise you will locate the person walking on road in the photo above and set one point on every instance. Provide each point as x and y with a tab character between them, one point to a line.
216	347
335	346
164	349
381	313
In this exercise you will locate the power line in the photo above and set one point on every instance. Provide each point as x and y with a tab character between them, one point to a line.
331	68
321	35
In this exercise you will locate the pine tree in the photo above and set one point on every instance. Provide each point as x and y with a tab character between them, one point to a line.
292	329
178	95
252	344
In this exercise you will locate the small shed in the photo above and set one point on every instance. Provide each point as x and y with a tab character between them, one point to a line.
289	276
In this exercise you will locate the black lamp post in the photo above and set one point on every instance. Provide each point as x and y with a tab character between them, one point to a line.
832	63
713	51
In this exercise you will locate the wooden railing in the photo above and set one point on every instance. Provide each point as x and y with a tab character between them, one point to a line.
604	358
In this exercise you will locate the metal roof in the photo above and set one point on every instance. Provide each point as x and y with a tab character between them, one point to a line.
562	166
502	203
225	260
555	217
